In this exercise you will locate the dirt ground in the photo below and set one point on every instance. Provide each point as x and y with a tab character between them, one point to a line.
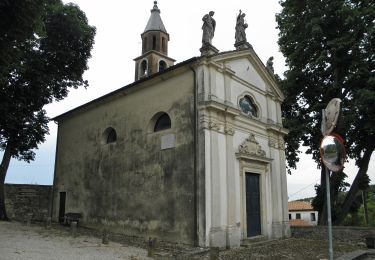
20	241
288	249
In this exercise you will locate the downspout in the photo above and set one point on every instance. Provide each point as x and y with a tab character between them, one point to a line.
54	173
195	134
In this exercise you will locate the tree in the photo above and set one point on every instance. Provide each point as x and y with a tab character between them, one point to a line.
356	216
329	49
44	49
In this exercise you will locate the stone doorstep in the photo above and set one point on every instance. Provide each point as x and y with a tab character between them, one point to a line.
162	255
357	255
186	255
255	240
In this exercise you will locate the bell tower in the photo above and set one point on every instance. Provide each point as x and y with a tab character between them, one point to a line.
155	39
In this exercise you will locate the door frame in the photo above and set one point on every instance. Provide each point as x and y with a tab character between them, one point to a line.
262	168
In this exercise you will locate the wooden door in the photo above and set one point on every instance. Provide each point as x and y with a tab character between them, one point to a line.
253	205
62	206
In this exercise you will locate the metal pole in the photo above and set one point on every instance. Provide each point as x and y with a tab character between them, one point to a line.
329	215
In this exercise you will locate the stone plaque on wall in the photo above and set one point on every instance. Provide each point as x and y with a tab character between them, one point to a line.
167	141
27	192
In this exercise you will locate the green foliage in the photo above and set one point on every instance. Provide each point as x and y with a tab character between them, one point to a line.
308	199
329	49
330	52
338	191
356	217
44	48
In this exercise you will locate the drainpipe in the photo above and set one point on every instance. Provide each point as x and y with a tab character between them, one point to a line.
195	129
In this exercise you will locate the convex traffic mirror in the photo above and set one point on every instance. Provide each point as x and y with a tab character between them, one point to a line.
332	152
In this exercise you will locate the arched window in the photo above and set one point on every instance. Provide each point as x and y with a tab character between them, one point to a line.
162	123
154	42
144	44
109	135
163	46
162	65
143	68
248	107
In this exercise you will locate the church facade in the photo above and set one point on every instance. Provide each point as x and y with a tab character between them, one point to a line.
190	153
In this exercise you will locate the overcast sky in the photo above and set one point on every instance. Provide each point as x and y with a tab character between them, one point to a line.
119	25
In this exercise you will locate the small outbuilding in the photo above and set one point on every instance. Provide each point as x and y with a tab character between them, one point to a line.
302	213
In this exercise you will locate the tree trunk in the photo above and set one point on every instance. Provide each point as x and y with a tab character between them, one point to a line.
364	200
336	181
3	171
354	189
322	212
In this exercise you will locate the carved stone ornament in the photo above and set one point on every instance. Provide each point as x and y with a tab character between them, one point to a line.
228	130
272	143
281	145
252	147
213	125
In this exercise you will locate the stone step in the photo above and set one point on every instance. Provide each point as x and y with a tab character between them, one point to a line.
253	241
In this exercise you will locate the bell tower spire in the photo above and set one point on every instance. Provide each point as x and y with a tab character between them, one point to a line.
155	39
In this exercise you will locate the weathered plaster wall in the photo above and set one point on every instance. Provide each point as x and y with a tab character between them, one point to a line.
132	185
305	215
24	200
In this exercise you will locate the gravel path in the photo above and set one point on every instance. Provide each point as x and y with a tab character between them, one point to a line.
19	242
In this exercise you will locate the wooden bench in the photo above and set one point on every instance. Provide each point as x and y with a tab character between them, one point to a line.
72	217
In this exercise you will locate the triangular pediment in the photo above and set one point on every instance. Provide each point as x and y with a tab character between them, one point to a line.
247	66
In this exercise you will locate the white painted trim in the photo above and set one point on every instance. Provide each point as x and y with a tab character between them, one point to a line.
261	168
256	103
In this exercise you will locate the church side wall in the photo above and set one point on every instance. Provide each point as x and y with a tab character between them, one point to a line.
132	186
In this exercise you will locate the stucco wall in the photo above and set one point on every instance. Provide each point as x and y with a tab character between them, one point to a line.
22	200
132	185
223	81
305	215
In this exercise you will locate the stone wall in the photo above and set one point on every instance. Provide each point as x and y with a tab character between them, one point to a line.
340	233
22	200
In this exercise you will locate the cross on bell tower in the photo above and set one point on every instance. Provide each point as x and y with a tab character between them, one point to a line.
155	39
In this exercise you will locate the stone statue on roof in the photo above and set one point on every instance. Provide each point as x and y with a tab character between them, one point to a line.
240	35
269	65
241	26
208	28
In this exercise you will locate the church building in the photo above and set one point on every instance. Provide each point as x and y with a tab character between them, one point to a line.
191	152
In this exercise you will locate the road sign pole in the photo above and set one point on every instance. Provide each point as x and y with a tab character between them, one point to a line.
329	215
332	151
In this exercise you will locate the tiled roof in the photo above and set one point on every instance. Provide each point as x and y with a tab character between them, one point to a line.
155	23
299	206
299	223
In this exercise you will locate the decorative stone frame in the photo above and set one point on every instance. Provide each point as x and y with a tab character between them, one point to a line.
252	159
166	64
252	98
